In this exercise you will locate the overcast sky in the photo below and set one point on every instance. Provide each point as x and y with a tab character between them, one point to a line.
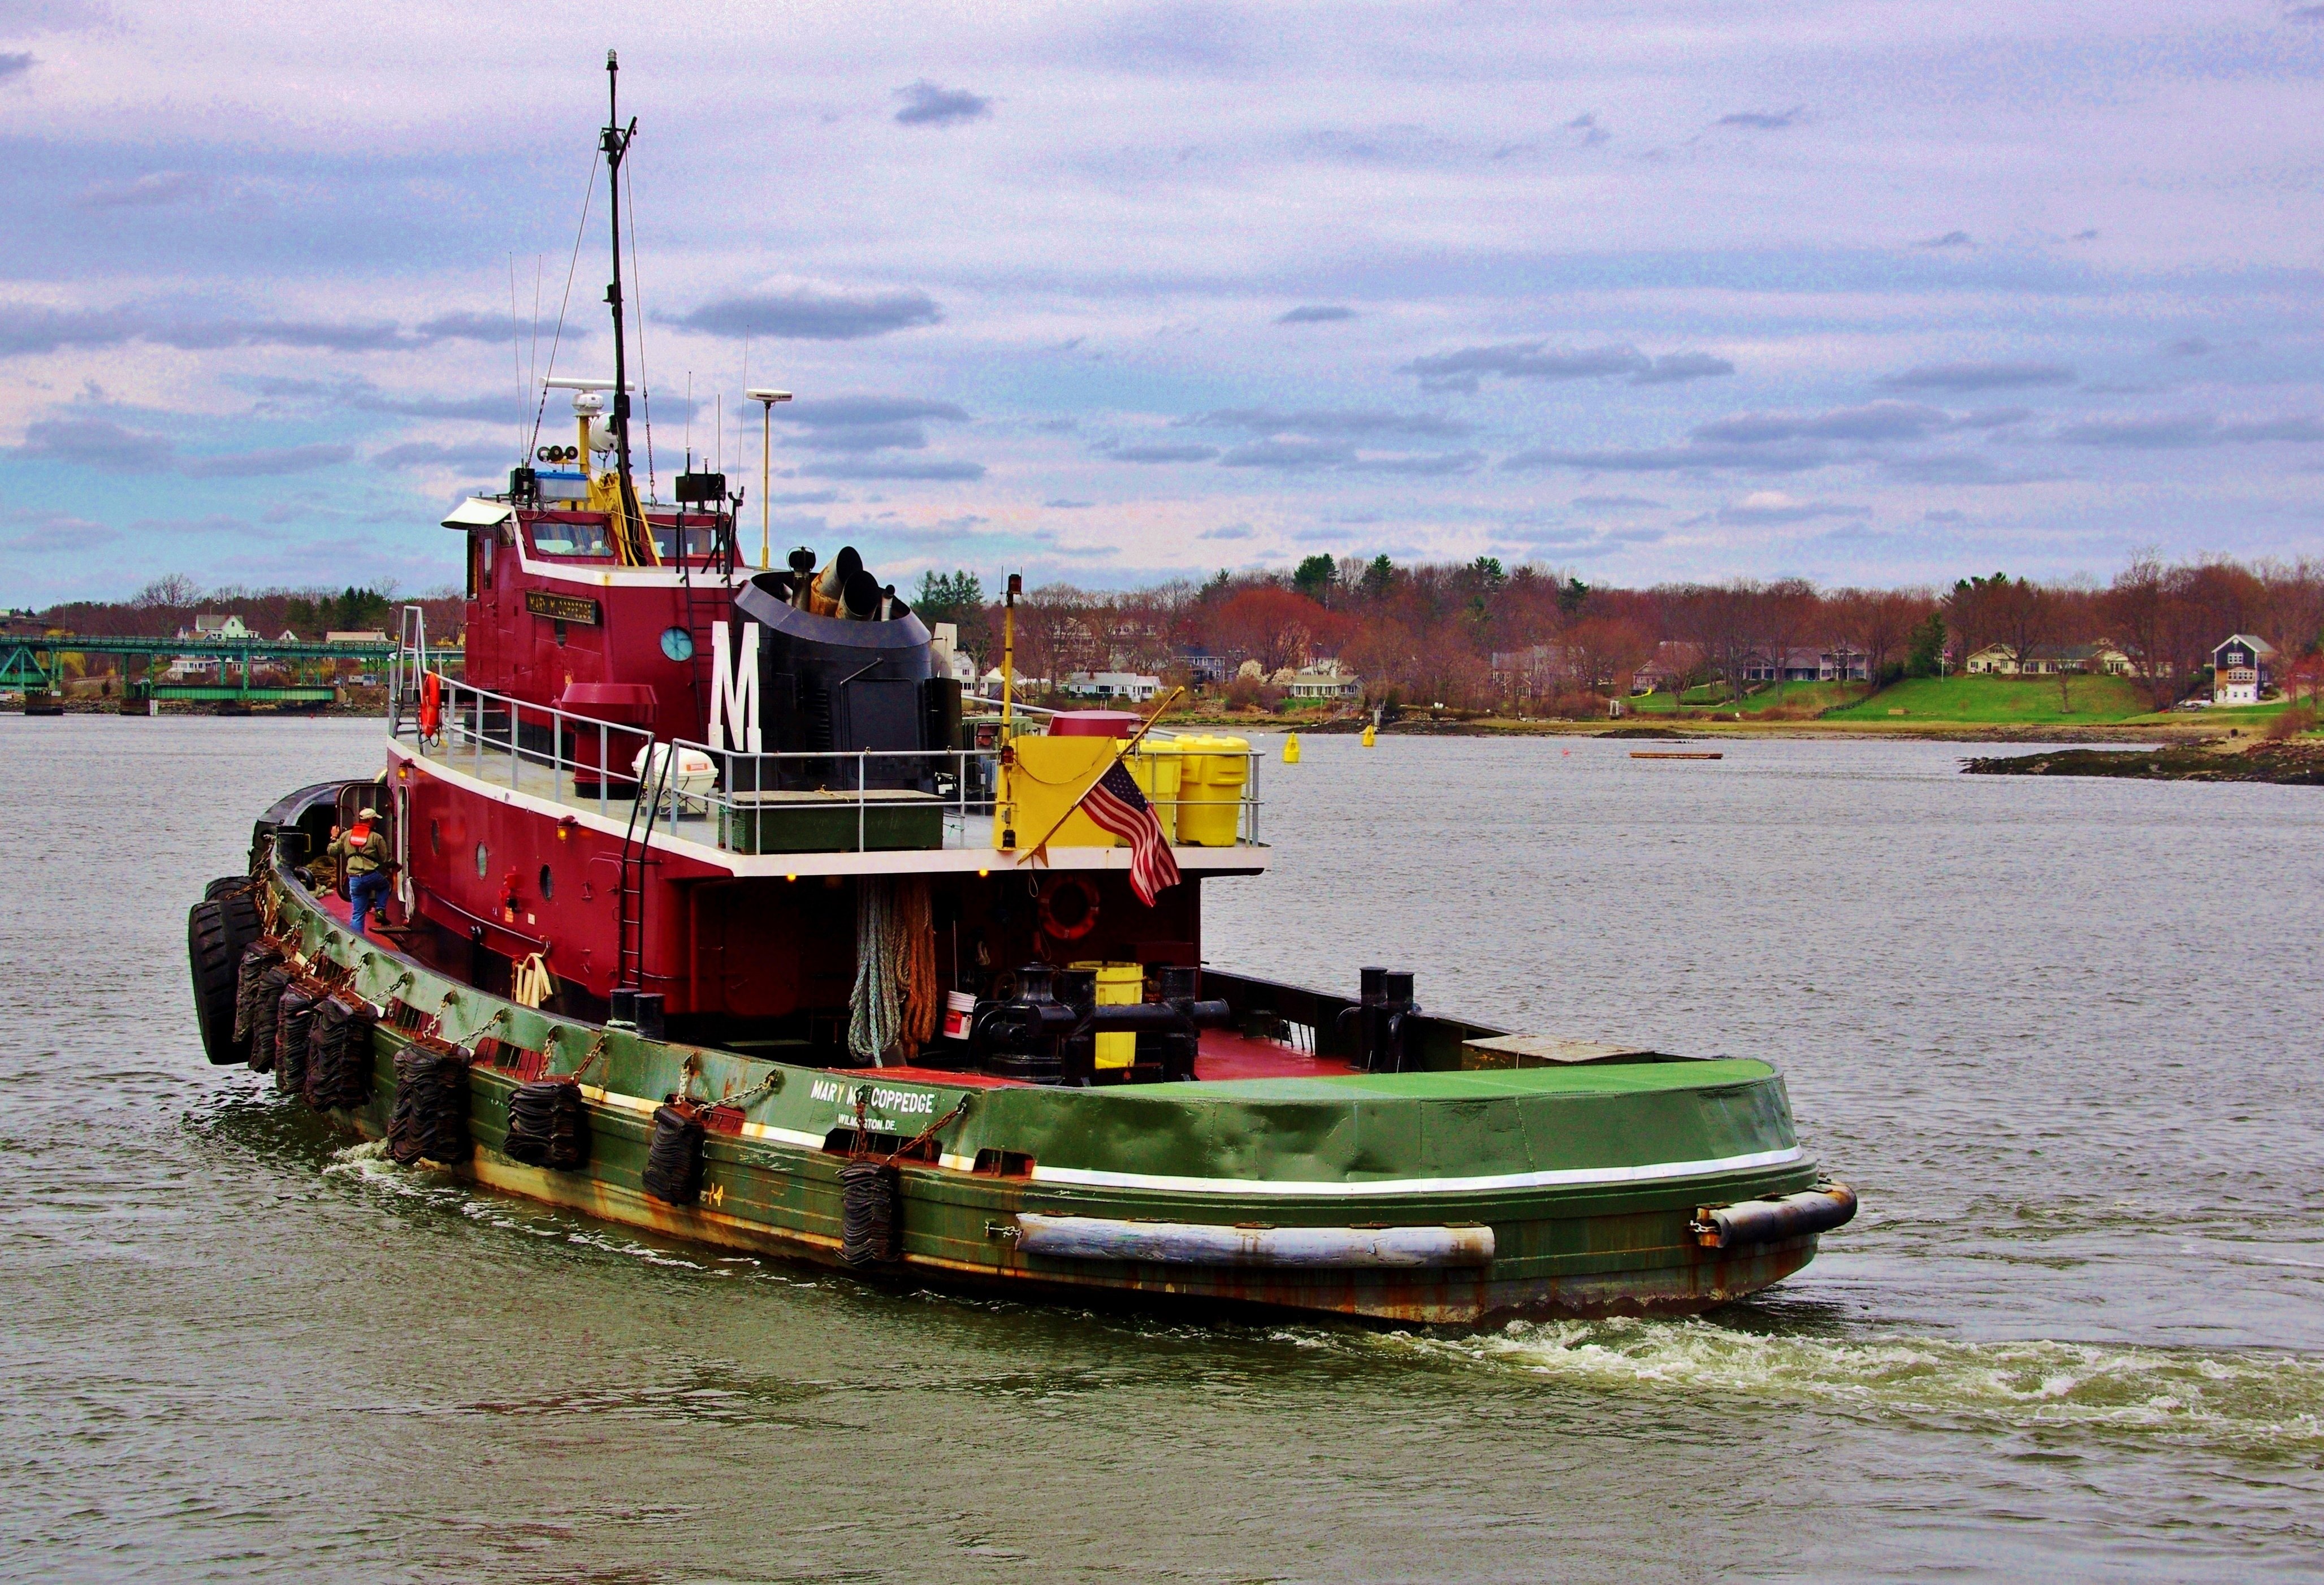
1869	293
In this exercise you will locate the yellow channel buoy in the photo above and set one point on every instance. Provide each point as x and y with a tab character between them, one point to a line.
1368	735
1291	748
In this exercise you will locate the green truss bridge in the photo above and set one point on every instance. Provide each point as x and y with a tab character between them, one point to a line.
30	664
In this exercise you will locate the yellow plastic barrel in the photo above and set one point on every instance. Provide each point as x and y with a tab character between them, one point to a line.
1210	788
1157	765
1117	985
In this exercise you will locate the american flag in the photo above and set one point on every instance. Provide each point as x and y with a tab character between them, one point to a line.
1114	802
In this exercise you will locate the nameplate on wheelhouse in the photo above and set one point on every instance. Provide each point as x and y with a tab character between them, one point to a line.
561	607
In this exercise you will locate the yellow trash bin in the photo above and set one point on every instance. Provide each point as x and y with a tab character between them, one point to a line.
1210	788
1117	985
1158	766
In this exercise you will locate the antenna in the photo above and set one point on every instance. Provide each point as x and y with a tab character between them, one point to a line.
637	547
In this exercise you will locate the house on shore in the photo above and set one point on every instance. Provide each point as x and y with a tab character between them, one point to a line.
2098	657
1837	663
1136	687
1671	664
1325	681
2243	669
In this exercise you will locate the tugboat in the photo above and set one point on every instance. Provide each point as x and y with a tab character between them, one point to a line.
719	907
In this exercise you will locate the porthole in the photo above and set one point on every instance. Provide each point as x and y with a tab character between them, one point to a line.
678	644
484	860
547	884
435	838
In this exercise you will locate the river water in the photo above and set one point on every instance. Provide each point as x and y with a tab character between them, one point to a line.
2062	1034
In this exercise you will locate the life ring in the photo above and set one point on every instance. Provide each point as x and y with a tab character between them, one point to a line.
431	705
1079	917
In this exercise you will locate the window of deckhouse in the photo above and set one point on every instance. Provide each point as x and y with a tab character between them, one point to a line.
586	537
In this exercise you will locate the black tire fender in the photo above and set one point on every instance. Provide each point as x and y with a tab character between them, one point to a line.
215	959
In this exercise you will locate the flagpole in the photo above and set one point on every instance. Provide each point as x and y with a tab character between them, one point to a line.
1119	754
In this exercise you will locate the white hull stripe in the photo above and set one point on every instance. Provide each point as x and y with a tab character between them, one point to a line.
1566	1177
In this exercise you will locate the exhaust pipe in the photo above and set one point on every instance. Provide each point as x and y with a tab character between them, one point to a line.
1767	1221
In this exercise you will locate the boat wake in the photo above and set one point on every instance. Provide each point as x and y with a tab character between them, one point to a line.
2252	1400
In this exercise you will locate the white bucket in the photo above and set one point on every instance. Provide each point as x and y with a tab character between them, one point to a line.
960	1007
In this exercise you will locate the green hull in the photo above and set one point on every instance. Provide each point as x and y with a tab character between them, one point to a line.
1588	1178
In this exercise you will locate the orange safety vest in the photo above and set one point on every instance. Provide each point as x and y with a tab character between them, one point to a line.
358	835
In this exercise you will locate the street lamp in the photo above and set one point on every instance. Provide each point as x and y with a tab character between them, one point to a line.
766	398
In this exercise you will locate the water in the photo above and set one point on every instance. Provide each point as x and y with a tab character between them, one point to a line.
2062	1036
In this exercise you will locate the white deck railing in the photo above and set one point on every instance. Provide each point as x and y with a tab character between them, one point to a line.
580	762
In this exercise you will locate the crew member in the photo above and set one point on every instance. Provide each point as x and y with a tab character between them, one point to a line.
362	850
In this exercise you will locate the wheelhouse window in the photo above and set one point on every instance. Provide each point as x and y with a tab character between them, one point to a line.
699	539
568	537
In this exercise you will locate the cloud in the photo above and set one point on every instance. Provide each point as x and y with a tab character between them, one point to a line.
1879	420
54	533
2187	346
1785	458
153	190
1291	454
269	464
15	65
97	443
105	447
1268	420
832	413
46	330
1230	531
1430	465
1951	239
2178	432
429	453
1315	314
1772	508
928	105
2314	14
1062	504
877	468
1676	367
1614	503
1952	467
1764	120
1460	370
1163	453
807	313
1996	376
803	498
1592	134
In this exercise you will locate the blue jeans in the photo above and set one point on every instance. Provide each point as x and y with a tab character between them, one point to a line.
367	891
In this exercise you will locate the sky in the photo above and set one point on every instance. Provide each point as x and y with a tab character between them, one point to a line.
1111	294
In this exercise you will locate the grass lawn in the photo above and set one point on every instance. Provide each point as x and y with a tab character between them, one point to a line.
2250	717
2003	700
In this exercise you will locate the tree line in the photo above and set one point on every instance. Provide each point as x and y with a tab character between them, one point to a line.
1478	635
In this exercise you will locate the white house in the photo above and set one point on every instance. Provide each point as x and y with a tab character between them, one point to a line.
2243	669
955	662
1326	681
1136	687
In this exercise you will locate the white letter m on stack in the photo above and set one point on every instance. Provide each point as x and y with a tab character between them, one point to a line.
735	688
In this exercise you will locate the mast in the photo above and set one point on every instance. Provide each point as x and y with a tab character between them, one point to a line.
636	545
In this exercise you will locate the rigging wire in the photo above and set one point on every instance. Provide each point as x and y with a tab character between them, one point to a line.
588	192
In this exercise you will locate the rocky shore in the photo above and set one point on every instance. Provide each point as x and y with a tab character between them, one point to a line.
2295	762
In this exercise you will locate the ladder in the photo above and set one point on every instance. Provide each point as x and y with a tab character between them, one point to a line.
629	885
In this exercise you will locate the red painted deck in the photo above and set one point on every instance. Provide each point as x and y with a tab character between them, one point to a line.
1226	1055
